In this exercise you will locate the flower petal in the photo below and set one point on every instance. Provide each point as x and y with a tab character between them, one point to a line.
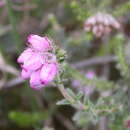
48	72
25	55
25	74
90	74
35	81
34	62
39	43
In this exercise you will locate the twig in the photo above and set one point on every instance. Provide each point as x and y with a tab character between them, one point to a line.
10	69
13	82
103	123
94	61
24	8
68	124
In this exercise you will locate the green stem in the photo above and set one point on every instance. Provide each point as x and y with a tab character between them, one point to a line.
13	22
63	91
69	98
65	94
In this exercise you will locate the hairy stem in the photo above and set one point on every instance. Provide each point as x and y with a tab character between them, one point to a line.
69	98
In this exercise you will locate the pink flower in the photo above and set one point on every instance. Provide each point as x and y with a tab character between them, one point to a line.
2	3
48	72
90	74
39	43
38	63
127	122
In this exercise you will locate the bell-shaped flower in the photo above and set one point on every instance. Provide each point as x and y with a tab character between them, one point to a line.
38	63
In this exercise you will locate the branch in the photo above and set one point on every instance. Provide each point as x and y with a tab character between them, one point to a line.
13	82
67	123
94	61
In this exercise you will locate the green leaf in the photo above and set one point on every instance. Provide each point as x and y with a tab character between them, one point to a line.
79	95
27	119
63	102
70	92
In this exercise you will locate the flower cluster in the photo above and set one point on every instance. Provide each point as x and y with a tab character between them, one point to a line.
38	62
101	24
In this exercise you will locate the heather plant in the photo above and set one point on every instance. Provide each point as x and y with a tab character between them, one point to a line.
64	65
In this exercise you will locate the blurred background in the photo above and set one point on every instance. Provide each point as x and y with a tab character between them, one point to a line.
22	108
